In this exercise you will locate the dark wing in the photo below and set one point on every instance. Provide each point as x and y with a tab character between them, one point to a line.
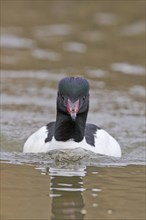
90	130
50	128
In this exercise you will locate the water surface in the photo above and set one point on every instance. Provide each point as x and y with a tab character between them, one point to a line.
40	44
76	192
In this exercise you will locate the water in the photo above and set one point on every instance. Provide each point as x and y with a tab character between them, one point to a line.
104	42
73	192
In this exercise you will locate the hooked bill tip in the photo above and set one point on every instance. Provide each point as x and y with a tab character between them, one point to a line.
73	115
73	108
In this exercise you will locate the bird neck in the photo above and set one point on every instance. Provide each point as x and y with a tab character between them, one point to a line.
66	128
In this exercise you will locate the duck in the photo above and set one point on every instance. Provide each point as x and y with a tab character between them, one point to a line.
71	130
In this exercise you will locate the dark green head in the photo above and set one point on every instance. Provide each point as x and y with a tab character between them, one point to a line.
73	95
74	87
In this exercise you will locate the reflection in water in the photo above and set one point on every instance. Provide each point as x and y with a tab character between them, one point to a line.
70	202
86	192
66	191
72	191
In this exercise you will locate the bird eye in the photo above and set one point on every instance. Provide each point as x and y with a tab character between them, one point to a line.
62	97
84	97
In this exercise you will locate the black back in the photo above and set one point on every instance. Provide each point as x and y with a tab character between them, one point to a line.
50	129
90	130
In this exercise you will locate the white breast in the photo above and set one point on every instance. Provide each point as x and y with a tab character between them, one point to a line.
104	144
36	142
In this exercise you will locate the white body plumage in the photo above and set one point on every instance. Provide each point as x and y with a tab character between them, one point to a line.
105	144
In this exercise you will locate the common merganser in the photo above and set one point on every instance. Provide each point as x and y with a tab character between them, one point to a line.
70	129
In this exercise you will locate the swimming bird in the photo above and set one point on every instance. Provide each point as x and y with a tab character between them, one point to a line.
70	130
